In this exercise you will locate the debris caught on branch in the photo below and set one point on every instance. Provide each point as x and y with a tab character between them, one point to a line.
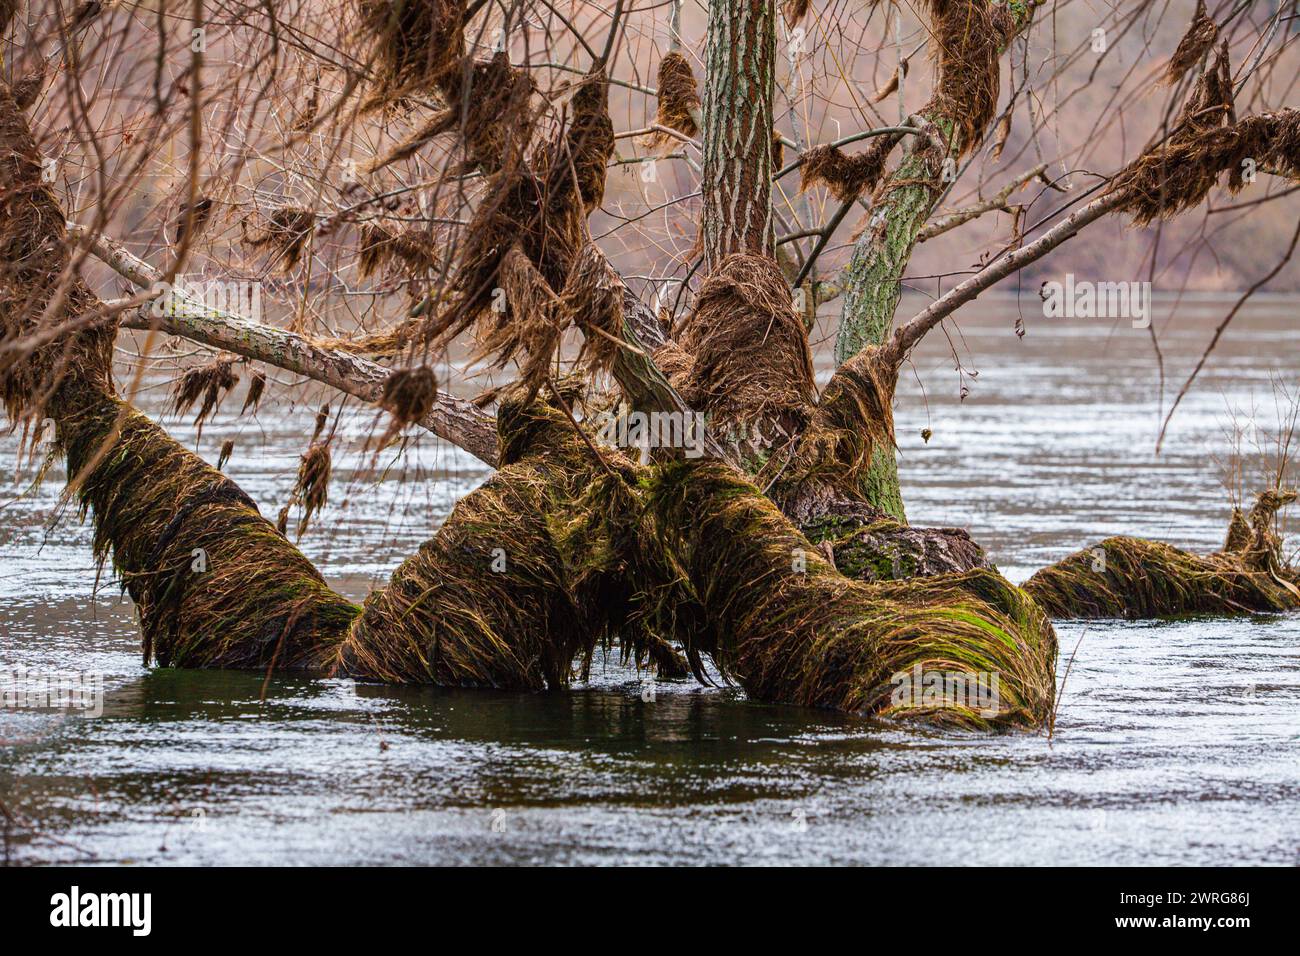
795	10
286	230
847	177
1196	42
679	101
408	393
891	87
749	349
968	39
208	382
417	43
407	396
311	489
202	211
542	212
1179	174
256	386
380	245
28	89
1002	134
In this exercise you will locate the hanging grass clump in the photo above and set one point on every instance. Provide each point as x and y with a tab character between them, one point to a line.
678	102
1206	142
969	36
526	236
311	488
847	177
285	231
256	386
412	249
1196	42
408	395
205	385
1135	578
417	43
214	584
790	629
749	349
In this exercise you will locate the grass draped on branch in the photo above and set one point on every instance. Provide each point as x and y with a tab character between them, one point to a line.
1136	578
533	570
527	237
214	583
968	39
678	101
847	177
790	629
1207	141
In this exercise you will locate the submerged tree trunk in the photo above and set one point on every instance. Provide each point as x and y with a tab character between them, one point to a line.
1136	578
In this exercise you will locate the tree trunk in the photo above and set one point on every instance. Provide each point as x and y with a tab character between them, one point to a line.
739	81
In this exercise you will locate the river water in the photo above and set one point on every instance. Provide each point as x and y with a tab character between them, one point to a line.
1175	742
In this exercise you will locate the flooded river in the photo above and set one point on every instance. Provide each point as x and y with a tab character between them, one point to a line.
1175	742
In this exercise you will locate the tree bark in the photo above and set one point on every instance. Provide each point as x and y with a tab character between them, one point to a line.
738	88
901	207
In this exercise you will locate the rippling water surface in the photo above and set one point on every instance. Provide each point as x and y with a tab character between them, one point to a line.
1176	742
